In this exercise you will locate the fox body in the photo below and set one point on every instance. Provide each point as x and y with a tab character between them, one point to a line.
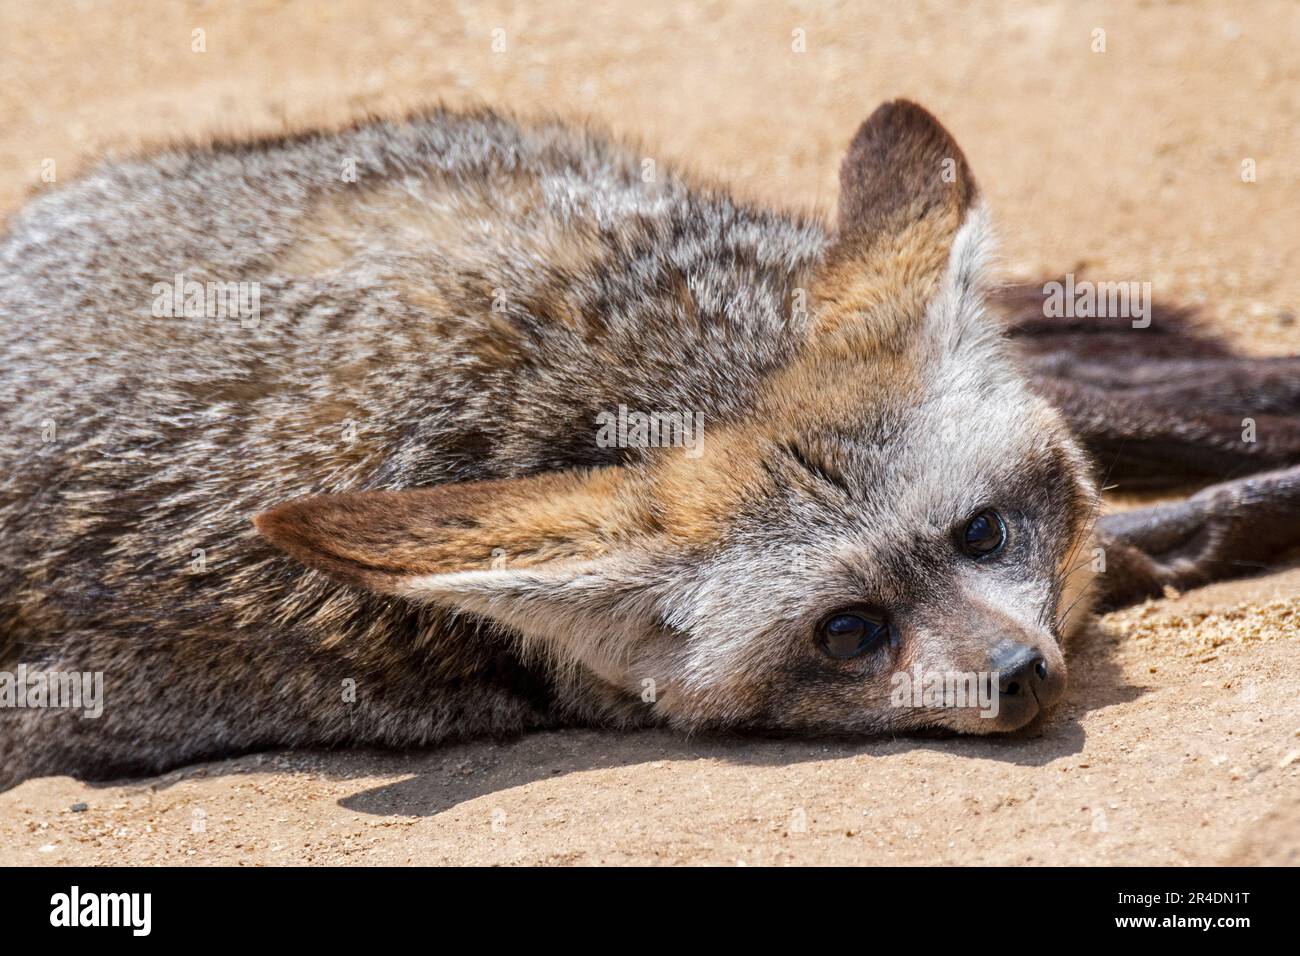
445	309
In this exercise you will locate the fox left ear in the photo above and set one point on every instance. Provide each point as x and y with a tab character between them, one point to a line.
563	558
902	168
905	192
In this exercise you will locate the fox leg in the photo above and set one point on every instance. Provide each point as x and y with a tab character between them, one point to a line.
1162	424
1225	530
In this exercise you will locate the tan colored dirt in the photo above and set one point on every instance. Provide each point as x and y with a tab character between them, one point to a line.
1179	741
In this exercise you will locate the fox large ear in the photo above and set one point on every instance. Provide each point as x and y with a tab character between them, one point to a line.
905	192
562	557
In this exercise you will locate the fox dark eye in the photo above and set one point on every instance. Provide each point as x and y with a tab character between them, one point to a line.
984	534
852	632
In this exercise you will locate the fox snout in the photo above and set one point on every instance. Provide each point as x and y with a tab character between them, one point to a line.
1014	665
1027	684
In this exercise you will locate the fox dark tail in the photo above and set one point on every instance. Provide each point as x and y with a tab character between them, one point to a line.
1170	405
1162	405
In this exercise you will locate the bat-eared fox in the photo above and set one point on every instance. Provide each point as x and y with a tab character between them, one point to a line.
464	425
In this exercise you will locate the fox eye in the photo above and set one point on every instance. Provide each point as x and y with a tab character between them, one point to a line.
984	534
852	632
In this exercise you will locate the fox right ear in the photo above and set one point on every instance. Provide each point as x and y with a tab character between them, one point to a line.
905	192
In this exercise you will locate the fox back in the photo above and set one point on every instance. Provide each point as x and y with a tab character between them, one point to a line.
423	354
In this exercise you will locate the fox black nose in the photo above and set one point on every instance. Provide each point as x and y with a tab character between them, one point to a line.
1021	669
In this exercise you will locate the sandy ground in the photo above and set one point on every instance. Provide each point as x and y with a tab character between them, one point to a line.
1180	738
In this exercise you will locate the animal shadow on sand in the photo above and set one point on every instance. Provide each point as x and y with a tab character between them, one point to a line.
440	778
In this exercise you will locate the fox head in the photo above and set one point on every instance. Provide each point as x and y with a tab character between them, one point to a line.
897	516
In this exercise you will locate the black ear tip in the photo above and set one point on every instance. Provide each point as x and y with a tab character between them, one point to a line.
278	525
267	524
902	117
903	107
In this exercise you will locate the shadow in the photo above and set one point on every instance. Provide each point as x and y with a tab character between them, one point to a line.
440	778
439	785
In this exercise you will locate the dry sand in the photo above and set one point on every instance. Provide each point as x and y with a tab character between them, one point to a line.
1179	741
